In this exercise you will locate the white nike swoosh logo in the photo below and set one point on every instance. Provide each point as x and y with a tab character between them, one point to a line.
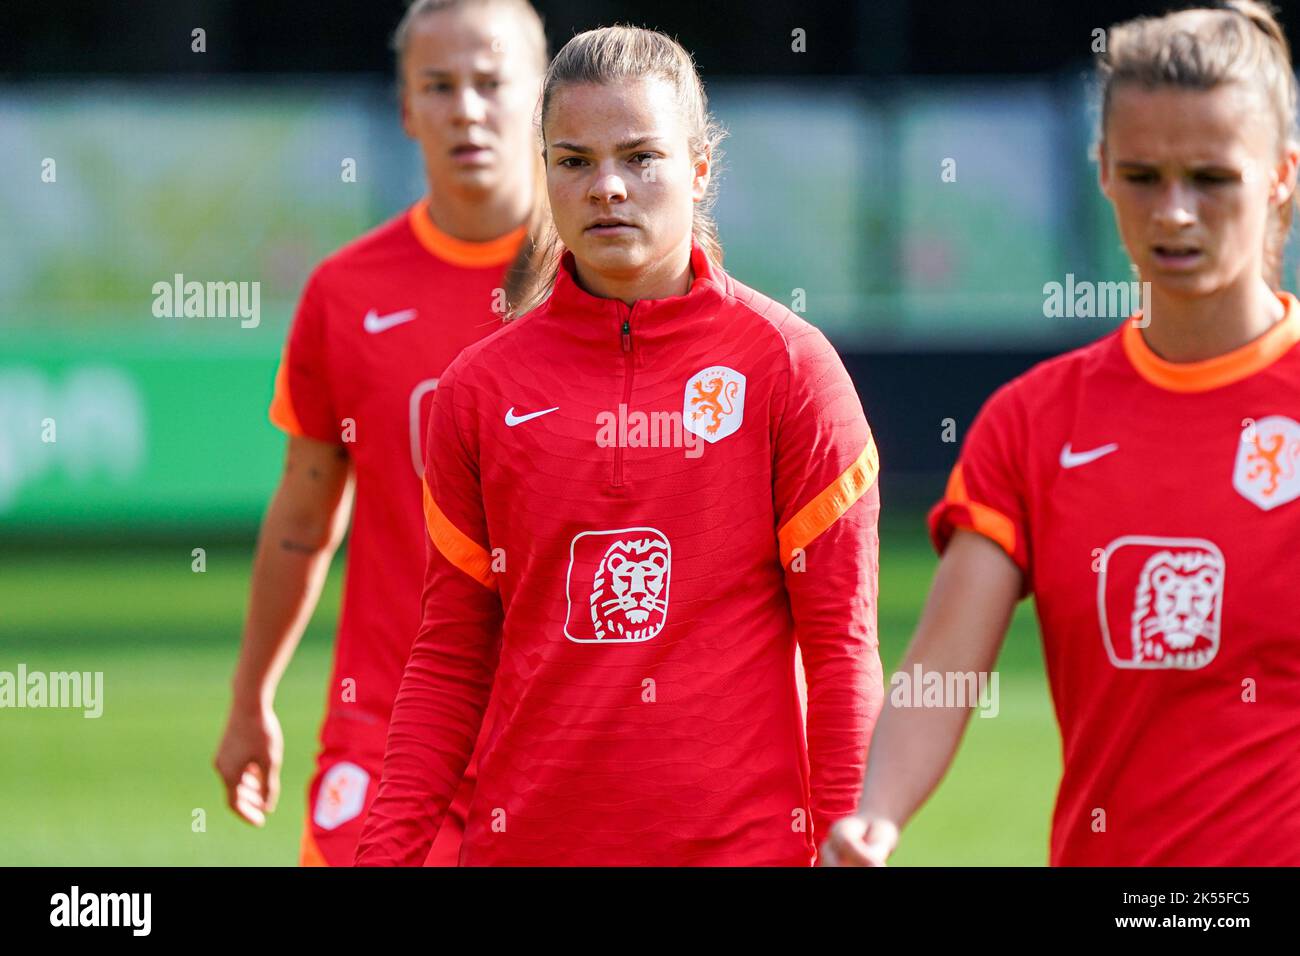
512	419
1073	459
374	322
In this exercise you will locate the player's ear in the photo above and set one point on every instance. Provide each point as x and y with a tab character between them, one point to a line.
1103	169
404	111
701	173
1284	175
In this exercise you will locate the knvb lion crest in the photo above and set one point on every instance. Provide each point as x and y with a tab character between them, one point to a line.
714	404
618	586
342	795
1160	601
1266	472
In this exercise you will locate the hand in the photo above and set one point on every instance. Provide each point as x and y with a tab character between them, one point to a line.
859	841
248	762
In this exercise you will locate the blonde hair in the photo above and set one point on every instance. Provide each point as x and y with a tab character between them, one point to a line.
620	54
533	30
1201	48
519	274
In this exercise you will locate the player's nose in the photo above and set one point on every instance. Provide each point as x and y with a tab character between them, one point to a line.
467	105
1176	206
608	186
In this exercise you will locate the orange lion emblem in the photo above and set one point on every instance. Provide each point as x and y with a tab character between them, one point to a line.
1265	472
710	401
1264	461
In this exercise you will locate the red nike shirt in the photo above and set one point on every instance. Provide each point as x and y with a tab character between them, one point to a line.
378	323
1152	508
636	512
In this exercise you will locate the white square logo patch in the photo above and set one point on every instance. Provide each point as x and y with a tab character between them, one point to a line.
342	795
714	404
1160	602
618	586
1265	472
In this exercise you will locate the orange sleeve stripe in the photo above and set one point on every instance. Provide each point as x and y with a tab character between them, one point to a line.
835	499
987	521
282	414
456	546
310	854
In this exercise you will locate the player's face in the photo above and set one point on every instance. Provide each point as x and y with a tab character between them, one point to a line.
1192	175
471	86
621	179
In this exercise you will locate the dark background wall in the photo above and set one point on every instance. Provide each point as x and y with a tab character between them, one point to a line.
729	37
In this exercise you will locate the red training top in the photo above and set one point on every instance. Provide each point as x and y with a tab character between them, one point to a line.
1152	509
378	322
636	512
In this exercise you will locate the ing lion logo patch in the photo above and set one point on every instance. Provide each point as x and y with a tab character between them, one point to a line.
1160	602
618	586
1265	472
714	404
341	796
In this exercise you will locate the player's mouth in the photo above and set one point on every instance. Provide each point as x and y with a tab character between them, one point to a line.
610	226
471	154
1177	257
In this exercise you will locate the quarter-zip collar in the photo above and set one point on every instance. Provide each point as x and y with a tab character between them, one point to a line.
651	321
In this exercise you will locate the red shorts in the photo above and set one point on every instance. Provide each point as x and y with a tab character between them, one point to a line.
339	798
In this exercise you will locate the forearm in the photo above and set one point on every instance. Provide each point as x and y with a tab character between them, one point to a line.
960	632
435	721
910	752
289	571
835	605
844	702
436	718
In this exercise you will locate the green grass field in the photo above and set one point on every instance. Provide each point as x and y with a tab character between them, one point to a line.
124	789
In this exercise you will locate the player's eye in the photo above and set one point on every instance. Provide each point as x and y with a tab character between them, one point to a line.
1213	177
644	159
490	84
1141	176
570	162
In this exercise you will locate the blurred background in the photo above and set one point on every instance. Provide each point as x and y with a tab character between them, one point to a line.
917	172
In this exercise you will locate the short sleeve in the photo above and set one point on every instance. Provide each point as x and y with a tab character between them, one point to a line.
986	489
303	403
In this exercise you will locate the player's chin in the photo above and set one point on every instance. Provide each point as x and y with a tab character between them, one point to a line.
482	177
620	253
1190	286
1185	285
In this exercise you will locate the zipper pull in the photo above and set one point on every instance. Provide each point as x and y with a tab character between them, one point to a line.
627	335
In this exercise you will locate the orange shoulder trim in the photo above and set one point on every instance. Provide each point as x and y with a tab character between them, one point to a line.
831	502
456	546
987	521
459	252
281	413
1222	369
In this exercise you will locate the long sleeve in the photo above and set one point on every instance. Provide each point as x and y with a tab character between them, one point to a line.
828	504
448	678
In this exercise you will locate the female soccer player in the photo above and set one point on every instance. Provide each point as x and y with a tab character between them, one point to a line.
640	495
1145	489
378	323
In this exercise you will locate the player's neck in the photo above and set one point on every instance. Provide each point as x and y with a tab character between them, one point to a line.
1193	329
670	277
479	219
